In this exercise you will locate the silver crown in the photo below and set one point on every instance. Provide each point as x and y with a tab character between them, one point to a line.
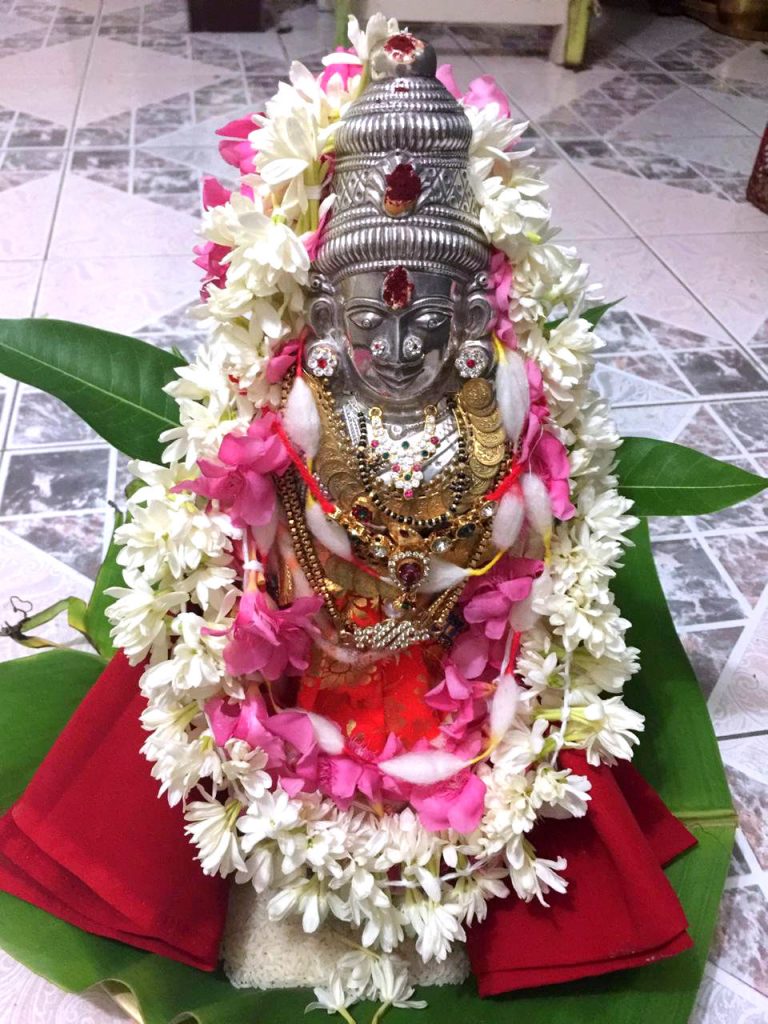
403	194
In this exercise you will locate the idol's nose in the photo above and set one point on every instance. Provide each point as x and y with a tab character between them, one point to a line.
412	349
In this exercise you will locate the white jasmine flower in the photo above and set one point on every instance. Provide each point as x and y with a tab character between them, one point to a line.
377	29
389	980
474	890
533	877
310	897
437	927
139	618
168	533
243	768
268	817
492	138
212	828
605	728
560	793
508	210
180	767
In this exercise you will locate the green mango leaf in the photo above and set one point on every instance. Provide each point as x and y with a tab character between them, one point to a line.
113	382
593	315
666	479
38	695
678	755
110	574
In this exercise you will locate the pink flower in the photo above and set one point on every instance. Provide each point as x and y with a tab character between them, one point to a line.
236	149
482	91
281	361
345	71
271	640
541	452
214	193
313	239
210	259
500	281
457	803
451	691
241	481
490	598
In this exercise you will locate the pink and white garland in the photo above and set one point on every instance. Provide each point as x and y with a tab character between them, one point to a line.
279	797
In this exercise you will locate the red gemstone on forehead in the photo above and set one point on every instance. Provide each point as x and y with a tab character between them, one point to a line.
398	288
403	184
404	47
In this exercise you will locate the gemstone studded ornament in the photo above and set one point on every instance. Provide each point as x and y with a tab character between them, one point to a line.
323	360
473	360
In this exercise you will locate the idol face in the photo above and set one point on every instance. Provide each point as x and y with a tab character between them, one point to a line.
400	334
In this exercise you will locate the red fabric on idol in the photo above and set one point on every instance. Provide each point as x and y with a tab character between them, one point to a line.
91	842
619	910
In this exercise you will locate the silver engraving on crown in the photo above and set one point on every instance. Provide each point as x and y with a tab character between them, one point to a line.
405	116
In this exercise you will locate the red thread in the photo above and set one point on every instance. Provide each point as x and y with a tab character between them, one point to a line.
505	484
327	506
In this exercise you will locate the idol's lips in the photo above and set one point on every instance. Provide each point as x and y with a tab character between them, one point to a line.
398	377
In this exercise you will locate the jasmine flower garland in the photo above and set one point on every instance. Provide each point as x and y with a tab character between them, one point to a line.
547	672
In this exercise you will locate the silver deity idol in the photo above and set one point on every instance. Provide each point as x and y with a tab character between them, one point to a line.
401	309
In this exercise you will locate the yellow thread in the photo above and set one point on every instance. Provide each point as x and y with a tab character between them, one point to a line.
487	567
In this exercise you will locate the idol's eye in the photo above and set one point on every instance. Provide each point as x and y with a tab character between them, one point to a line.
431	320
367	319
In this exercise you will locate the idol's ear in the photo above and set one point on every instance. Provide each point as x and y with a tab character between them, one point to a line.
479	309
322	309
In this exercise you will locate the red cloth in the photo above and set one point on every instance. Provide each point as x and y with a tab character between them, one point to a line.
90	841
619	911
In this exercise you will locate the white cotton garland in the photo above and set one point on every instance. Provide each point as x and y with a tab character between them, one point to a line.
330	534
301	418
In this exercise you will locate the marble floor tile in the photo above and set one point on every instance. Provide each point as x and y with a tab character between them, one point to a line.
740	937
720	371
536	87
706	433
75	540
682	113
747	422
751	800
695	590
122	76
52	481
664	208
119	294
56	72
708	651
40	580
665	422
744	556
18	286
744	111
625	388
41	419
719	1003
627	267
705	264
95	221
739	701
26	216
581	211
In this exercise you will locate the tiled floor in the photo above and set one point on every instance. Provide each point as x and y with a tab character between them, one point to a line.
107	112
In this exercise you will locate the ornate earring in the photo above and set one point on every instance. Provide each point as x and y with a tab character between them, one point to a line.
322	358
473	359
